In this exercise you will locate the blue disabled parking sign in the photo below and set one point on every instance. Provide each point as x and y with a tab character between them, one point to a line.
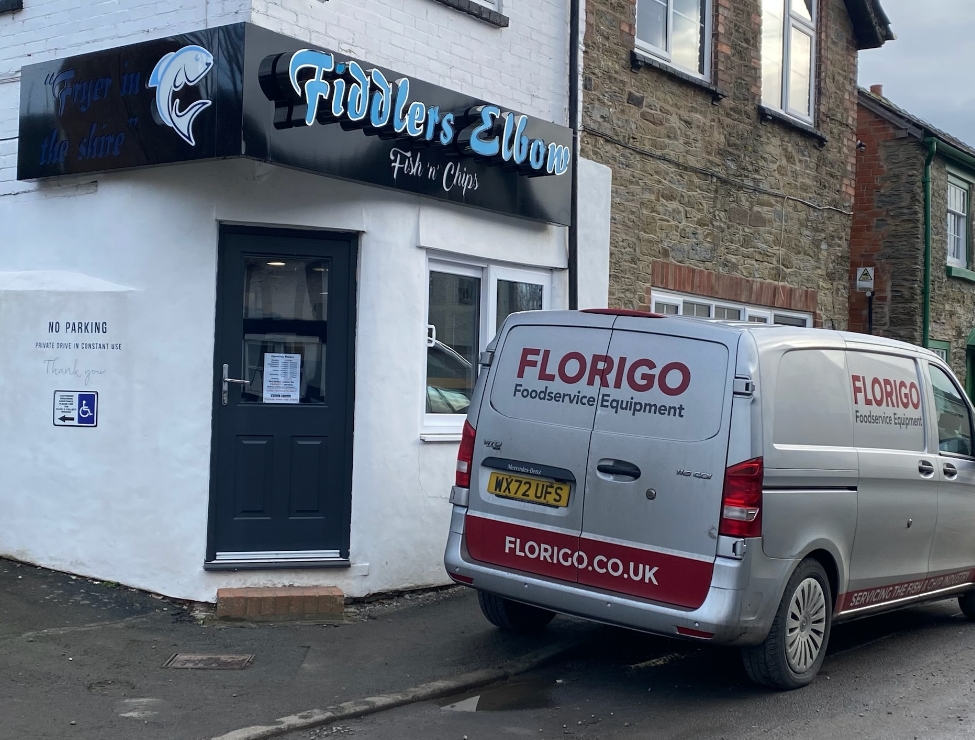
76	408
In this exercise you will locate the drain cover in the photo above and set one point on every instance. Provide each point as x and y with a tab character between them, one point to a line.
209	662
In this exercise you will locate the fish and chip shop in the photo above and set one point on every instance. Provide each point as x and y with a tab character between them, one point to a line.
242	306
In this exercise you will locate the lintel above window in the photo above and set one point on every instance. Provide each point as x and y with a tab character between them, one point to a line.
11	6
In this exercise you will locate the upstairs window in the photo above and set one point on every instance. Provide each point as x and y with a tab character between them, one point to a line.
957	224
789	56
676	31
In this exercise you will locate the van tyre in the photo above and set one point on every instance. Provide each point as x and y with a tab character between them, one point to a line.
795	647
513	616
967	603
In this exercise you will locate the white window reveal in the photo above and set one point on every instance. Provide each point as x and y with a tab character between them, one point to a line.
678	304
676	31
789	56
957	223
492	4
467	304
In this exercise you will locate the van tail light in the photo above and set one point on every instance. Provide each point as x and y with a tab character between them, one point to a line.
465	457
741	502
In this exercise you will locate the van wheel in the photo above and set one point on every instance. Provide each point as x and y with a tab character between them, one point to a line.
967	603
513	616
795	647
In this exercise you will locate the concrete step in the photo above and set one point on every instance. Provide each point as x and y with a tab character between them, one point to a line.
278	604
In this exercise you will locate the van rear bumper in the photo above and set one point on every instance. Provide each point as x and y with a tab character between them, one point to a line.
738	610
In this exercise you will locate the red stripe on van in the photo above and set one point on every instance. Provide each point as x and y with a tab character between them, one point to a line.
645	573
522	548
893	592
633	571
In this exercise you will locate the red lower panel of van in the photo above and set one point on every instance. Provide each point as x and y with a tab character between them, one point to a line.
634	571
530	549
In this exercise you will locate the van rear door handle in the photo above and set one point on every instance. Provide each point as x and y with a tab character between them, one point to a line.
618	468
925	468
950	471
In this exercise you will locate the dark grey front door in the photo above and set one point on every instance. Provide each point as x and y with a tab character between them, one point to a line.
280	490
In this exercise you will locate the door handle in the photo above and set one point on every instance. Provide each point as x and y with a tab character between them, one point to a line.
950	471
925	468
618	468
225	380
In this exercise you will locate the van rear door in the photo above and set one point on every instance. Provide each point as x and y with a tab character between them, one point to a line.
657	458
532	442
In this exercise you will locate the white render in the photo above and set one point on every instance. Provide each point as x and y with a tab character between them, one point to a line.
128	501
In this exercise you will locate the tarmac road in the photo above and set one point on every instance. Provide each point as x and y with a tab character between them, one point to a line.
905	675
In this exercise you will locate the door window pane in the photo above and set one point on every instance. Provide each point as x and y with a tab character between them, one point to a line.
954	420
453	344
514	296
285	312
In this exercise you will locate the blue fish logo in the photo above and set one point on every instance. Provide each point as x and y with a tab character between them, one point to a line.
171	74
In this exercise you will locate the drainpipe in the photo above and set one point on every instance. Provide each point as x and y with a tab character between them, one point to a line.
932	150
574	42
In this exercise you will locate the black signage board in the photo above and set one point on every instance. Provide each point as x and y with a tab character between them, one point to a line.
243	91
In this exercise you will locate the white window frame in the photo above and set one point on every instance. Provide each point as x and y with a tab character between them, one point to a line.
747	311
791	20
665	54
447	427
957	182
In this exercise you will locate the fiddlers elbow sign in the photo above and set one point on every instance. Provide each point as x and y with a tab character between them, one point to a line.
243	91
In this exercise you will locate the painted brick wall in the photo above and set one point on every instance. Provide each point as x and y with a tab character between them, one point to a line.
701	182
523	66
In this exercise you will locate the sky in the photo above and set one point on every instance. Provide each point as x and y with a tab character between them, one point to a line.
928	69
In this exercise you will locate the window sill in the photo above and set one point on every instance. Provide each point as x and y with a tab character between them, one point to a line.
477	10
11	6
770	114
440	437
961	273
640	59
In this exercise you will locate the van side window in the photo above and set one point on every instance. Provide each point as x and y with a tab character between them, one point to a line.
887	410
954	419
812	399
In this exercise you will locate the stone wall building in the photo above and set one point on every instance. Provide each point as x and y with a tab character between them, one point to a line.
733	174
889	232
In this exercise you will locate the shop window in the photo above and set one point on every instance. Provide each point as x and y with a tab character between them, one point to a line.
467	304
789	56
676	304
958	223
676	31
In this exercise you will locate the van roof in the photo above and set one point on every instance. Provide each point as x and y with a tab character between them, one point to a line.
764	334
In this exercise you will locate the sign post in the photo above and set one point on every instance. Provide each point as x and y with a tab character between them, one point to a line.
865	284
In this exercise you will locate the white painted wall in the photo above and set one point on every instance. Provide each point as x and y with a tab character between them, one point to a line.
128	501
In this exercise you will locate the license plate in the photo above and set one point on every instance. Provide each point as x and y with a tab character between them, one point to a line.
528	488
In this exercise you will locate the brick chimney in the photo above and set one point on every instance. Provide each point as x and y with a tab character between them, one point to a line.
877	90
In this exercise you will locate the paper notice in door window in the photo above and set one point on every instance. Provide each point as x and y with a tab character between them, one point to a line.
282	378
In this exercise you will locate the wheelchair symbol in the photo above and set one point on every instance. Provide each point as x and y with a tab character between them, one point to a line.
87	409
84	412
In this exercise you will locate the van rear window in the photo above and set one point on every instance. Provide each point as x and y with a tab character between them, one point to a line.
546	374
662	386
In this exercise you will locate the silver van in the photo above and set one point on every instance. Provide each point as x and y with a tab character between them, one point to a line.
733	483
